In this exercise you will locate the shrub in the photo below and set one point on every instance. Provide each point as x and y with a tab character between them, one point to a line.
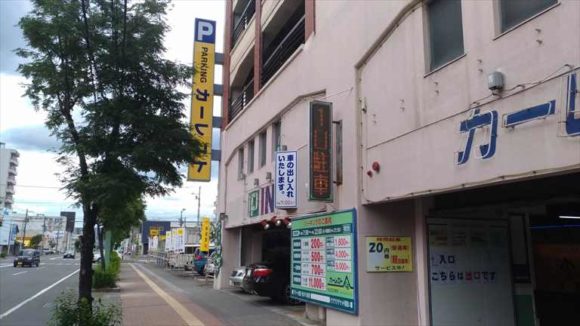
2	255
107	278
115	264
104	279
69	311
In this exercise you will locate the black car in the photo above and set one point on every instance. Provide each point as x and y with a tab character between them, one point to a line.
269	279
69	254
28	257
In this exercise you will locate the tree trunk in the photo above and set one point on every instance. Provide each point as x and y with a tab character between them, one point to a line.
100	234
87	245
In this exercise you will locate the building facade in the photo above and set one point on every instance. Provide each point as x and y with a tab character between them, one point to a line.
456	125
8	167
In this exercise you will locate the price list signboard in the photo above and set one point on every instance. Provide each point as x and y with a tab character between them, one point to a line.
324	262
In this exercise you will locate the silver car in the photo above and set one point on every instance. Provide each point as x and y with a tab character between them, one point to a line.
237	277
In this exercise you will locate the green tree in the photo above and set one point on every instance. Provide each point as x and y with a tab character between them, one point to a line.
96	68
35	240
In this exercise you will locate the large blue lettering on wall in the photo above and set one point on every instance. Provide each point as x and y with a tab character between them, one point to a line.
489	119
572	114
469	126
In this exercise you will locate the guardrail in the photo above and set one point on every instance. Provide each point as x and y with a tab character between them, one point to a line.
240	102
283	50
243	21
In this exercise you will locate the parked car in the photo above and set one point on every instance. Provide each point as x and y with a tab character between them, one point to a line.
69	254
200	259
96	257
270	279
210	267
237	277
28	257
48	251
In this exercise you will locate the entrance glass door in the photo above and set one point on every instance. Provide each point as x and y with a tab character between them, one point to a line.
469	272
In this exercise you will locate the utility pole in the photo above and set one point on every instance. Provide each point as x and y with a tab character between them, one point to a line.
25	222
58	232
181	219
198	203
43	231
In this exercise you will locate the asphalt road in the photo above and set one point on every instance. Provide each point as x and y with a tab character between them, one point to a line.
27	294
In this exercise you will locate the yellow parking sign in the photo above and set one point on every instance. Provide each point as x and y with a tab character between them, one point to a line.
204	243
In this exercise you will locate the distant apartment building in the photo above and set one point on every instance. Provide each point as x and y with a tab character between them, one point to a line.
455	130
8	167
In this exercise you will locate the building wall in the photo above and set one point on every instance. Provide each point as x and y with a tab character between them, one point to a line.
370	61
418	115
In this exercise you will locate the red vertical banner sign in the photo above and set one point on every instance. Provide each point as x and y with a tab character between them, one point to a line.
320	151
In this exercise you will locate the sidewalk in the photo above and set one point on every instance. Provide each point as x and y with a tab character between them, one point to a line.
152	296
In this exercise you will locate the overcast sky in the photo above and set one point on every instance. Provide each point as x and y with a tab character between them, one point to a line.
21	128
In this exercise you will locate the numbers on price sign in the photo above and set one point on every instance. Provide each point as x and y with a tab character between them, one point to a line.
342	266
316	243
342	241
316	257
317	270
342	253
376	247
316	283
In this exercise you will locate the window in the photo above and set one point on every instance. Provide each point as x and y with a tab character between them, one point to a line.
445	31
251	156
276	134
241	163
262	148
514	12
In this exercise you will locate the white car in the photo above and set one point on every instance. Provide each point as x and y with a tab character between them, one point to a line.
96	257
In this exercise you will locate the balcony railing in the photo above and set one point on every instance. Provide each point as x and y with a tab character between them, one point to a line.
11	180
10	190
242	100
283	51
244	21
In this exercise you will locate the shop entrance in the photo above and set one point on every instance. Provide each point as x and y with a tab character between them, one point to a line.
555	241
469	272
528	234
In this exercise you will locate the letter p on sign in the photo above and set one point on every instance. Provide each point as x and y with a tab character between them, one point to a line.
204	31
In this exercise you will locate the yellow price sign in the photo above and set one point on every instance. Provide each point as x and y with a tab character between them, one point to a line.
389	254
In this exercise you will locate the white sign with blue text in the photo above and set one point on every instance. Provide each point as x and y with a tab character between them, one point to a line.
285	187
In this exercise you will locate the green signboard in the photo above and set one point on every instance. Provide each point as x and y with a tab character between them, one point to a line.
253	203
324	260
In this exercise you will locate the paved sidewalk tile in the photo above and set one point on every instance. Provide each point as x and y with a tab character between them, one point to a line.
141	305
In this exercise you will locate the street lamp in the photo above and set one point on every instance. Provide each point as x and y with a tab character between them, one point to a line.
181	221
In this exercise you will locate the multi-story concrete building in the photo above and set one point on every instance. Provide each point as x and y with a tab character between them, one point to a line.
8	166
456	127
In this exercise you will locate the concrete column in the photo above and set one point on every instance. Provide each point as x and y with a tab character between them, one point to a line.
226	65
230	256
258	49
310	18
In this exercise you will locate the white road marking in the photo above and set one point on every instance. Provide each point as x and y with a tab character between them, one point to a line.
20	273
2	266
37	295
53	258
